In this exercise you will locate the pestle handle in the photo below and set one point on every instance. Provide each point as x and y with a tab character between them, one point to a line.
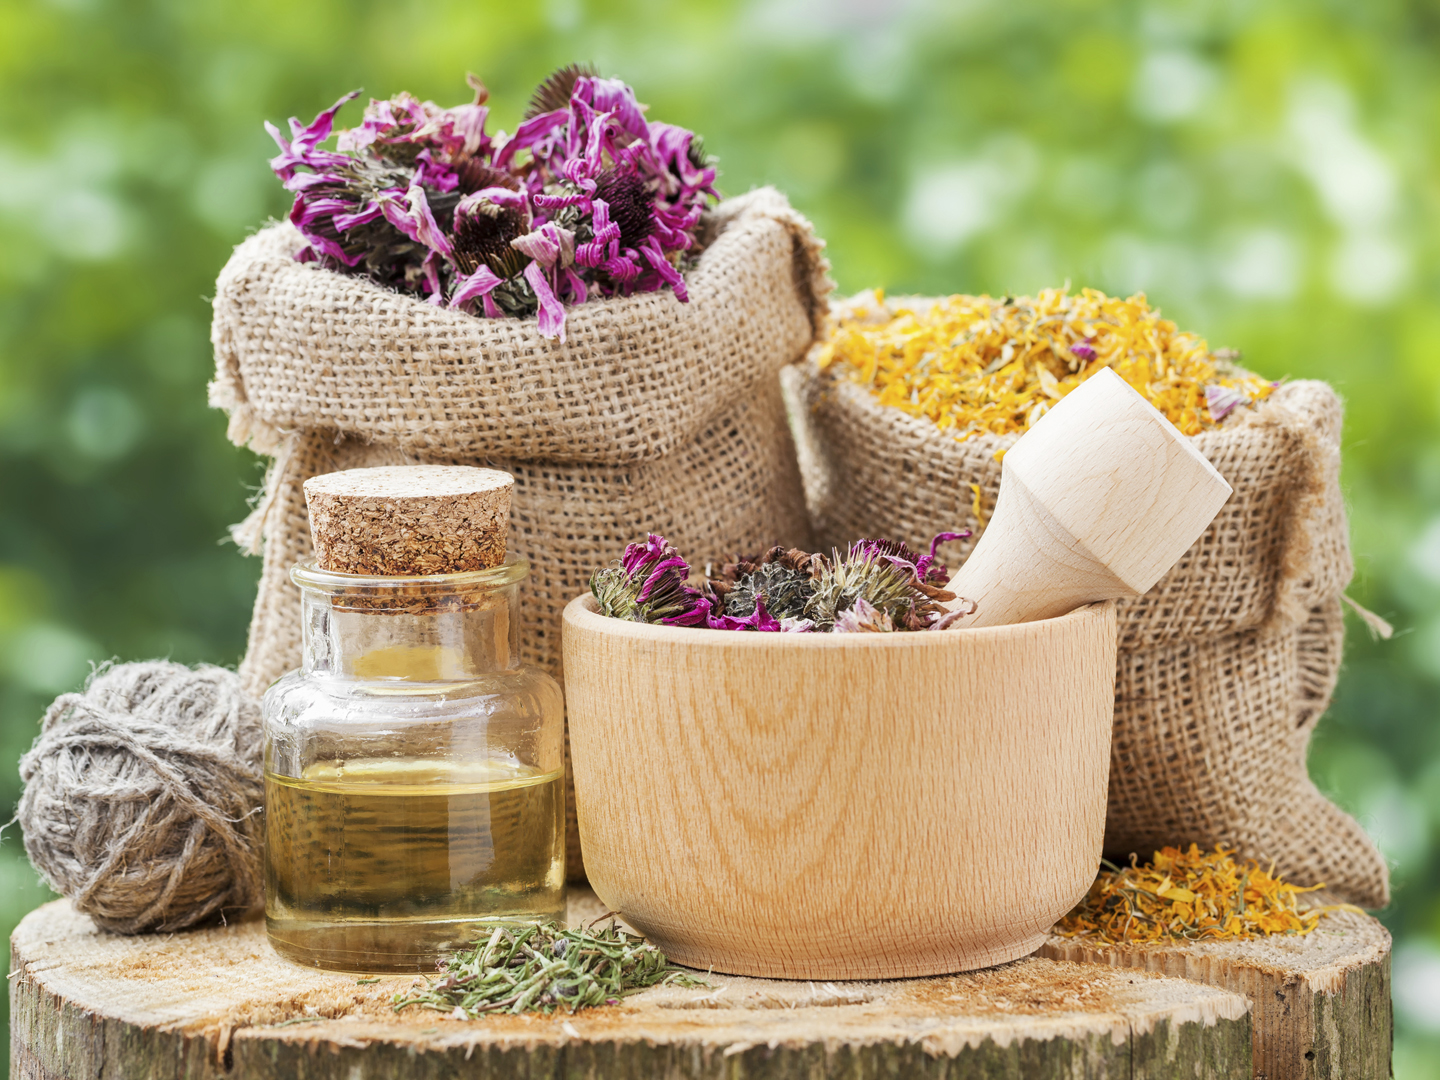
1098	500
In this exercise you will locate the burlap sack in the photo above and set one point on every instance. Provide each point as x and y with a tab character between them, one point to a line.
1225	665
299	348
654	415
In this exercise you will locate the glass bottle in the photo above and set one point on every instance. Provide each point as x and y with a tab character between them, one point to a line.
414	772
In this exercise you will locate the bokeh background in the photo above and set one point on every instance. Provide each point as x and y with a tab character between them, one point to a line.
1266	171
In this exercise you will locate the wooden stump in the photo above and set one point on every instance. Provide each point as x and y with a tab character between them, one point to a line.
219	1003
1321	1002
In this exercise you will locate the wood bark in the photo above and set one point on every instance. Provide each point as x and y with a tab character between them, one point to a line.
1321	1003
218	1003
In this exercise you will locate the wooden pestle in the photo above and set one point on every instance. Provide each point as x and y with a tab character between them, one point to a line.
1097	501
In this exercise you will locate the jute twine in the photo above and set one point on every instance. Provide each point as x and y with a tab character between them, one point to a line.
652	416
1224	667
143	794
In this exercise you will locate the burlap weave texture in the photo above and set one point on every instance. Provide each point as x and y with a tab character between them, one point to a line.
1225	665
637	423
300	348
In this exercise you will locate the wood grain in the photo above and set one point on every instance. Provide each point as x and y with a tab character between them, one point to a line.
841	806
1097	501
218	1003
1321	1002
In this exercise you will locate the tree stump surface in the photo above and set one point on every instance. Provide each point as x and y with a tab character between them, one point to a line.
219	1003
1321	1003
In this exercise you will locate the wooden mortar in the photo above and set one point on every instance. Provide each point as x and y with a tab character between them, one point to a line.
841	806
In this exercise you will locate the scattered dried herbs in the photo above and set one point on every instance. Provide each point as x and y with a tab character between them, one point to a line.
875	585
976	364
542	967
1190	895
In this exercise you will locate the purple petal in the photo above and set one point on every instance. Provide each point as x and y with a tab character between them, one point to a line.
651	250
325	245
300	182
552	312
671	146
574	287
434	174
530	135
624	268
636	555
304	138
468	125
672	227
369	212
379	120
559	202
1222	401
657	575
498	196
946	537
307	210
606	243
415	220
697	615
430	270
863	617
539	246
760	619
480	283
550	245
614	97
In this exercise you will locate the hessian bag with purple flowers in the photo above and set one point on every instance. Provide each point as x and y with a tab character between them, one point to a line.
651	415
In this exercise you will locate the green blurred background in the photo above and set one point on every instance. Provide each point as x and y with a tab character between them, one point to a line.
1267	172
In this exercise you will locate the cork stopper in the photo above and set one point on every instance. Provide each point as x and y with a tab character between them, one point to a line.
409	519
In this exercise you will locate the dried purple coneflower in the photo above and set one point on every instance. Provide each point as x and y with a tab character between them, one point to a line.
649	586
782	579
586	198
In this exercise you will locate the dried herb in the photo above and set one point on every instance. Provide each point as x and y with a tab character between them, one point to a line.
876	585
1190	895
542	967
587	198
649	586
976	364
899	588
782	579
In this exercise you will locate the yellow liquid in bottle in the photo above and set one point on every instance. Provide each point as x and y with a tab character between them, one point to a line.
386	864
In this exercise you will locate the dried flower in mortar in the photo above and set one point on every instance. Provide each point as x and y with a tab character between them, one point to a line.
782	581
586	199
649	586
976	364
876	585
529	967
1187	895
898	587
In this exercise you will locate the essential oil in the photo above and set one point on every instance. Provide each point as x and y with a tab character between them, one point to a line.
387	864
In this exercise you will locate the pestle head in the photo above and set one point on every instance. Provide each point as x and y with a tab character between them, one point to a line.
1098	500
409	519
1119	478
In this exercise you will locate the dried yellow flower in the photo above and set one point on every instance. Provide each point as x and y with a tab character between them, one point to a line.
1187	895
977	364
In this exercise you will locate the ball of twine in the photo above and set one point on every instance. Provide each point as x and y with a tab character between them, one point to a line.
143	796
